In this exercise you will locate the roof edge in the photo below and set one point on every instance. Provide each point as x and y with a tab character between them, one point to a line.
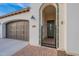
17	12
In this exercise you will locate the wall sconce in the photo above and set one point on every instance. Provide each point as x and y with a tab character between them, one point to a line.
61	22
33	17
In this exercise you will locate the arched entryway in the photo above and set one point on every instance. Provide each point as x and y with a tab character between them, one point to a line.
18	30
49	25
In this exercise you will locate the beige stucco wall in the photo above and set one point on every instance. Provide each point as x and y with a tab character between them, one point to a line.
62	26
73	28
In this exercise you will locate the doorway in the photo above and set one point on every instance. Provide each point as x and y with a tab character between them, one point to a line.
48	30
49	40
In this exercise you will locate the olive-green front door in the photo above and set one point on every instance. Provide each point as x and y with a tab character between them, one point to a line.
50	29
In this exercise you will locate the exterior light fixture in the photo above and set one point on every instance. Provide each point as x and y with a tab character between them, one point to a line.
33	17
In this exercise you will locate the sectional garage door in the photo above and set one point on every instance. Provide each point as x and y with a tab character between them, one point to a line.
18	30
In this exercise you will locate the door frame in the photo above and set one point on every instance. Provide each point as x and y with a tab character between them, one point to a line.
57	22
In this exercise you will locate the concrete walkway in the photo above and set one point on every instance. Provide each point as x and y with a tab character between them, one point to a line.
11	46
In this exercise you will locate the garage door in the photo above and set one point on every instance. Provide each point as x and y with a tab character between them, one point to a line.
18	30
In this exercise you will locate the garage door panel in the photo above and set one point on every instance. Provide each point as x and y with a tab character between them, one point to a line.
11	30
18	30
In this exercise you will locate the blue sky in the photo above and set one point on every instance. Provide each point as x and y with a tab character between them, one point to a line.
6	8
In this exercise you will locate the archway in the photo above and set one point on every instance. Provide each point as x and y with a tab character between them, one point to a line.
18	30
49	25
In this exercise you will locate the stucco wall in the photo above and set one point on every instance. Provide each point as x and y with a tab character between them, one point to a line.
35	31
73	28
62	26
44	29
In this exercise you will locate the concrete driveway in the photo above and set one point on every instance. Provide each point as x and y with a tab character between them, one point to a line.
10	46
